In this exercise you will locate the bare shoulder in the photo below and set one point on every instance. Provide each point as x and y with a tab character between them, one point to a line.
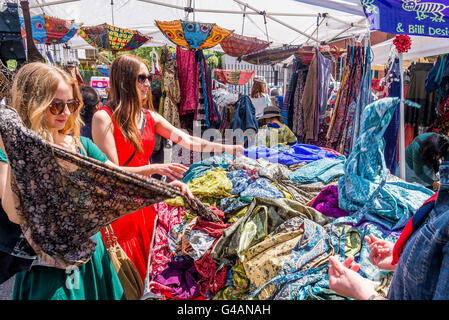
101	116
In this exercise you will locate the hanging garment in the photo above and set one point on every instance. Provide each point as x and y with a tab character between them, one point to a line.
363	189
171	93
416	92
11	45
188	80
93	194
309	100
244	115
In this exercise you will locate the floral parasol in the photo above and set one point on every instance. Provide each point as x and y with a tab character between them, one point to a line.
235	77
50	30
271	56
193	35
107	37
237	45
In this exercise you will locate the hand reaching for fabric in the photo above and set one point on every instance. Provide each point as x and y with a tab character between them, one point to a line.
345	281
234	150
174	171
184	188
381	253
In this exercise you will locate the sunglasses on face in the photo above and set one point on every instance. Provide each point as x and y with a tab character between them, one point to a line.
143	77
58	107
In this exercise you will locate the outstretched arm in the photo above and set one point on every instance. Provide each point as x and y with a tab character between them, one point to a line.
167	130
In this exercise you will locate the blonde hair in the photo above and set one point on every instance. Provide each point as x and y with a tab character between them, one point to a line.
34	88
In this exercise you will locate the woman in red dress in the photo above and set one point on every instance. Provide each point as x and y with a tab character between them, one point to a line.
116	130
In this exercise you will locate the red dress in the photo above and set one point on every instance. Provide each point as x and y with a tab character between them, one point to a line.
134	231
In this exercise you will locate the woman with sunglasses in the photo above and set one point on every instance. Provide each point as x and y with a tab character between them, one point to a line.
49	102
116	130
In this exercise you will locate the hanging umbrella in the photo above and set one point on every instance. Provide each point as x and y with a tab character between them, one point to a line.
50	30
235	77
271	56
110	38
305	54
193	35
237	45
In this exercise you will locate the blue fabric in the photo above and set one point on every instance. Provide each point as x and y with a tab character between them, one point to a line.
240	179
262	188
422	272
244	115
363	190
323	170
296	153
391	134
196	33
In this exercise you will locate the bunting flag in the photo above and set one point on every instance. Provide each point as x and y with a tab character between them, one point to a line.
193	35
235	77
237	45
50	30
110	38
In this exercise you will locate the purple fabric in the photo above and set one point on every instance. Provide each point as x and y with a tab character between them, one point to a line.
188	80
327	203
182	277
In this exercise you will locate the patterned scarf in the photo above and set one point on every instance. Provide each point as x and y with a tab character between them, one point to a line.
64	198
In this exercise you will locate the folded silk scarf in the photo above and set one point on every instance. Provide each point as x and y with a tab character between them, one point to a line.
64	198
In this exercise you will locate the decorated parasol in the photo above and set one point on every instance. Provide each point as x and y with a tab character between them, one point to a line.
235	77
50	30
237	45
193	35
110	38
305	54
271	56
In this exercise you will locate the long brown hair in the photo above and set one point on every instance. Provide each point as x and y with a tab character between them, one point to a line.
34	88
124	98
258	89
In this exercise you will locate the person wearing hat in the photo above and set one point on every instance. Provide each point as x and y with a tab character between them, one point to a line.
274	131
259	96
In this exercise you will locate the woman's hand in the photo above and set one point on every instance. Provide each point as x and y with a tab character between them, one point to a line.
345	281
234	150
381	253
184	188
174	171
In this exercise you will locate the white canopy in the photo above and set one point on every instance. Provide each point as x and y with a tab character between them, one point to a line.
287	21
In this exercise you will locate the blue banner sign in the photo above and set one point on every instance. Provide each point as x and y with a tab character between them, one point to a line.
414	17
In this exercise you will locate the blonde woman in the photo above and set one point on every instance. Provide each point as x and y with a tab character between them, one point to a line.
49	102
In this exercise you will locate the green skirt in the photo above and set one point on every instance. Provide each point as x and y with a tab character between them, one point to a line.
95	280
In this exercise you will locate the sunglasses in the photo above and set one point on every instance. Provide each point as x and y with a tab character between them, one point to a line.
142	77
58	107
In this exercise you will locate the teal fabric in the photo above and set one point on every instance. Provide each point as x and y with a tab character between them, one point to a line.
94	280
199	169
323	170
3	156
363	189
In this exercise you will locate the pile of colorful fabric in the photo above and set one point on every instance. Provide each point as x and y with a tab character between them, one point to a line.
280	222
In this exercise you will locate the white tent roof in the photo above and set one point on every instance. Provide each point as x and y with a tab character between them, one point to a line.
420	47
140	15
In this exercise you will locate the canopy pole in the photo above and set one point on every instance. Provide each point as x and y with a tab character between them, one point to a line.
40	5
225	11
112	11
340	33
278	21
401	121
243	22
